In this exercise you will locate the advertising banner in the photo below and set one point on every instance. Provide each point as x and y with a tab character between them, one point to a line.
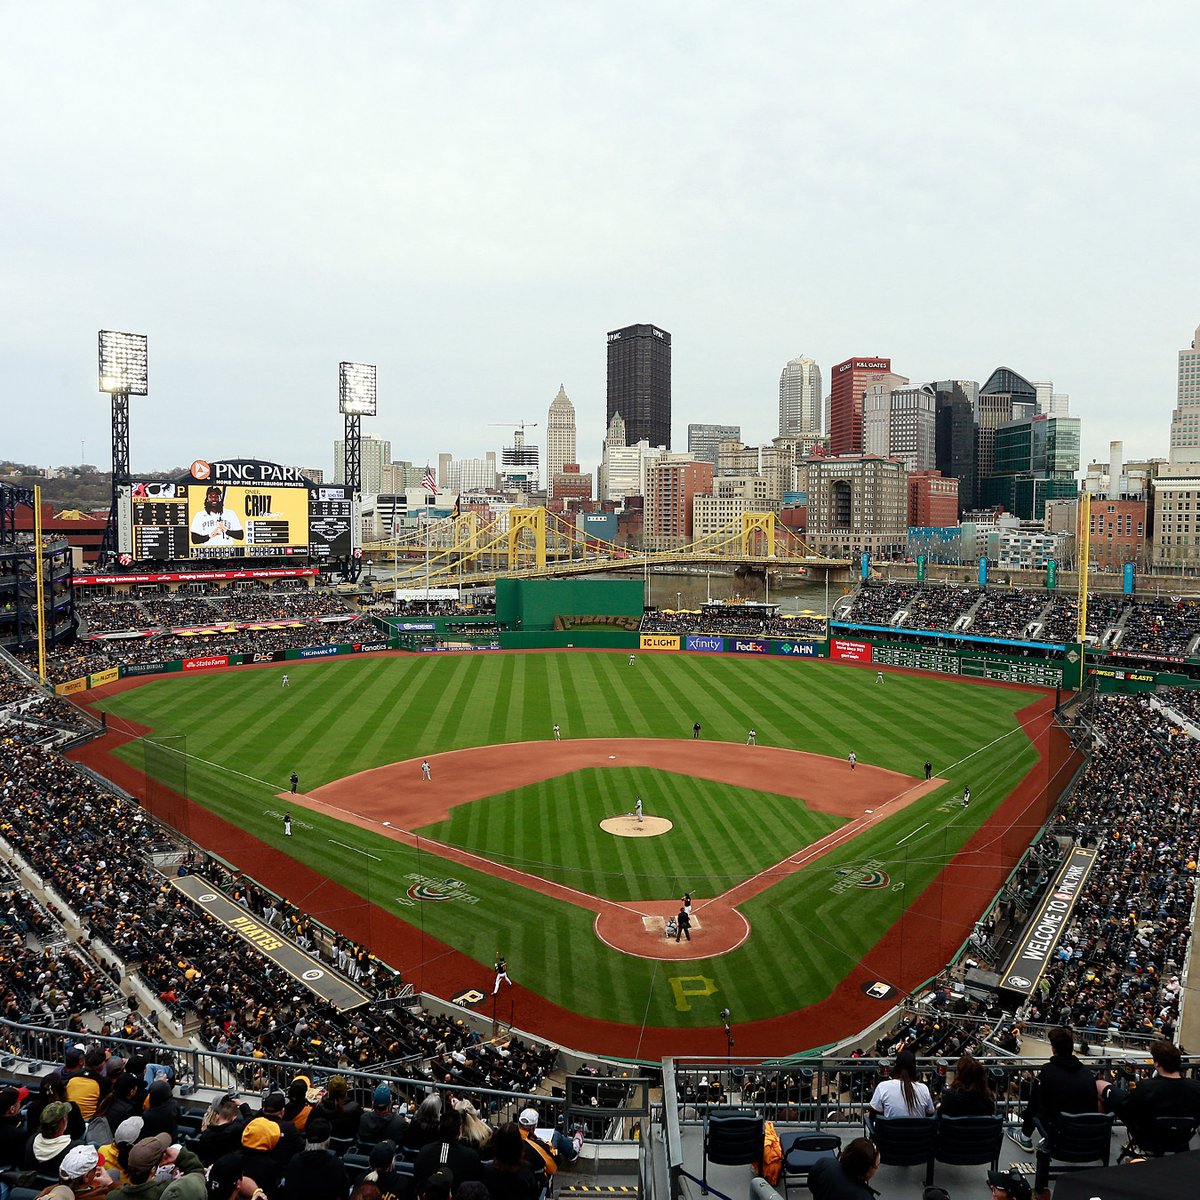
149	668
865	565
265	656
798	649
850	651
317	651
921	568
369	647
1051	574
212	660
983	565
707	642
195	576
1127	579
746	645
71	687
100	678
660	641
417	626
1040	937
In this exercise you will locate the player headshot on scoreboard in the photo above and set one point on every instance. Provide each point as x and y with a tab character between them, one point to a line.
216	525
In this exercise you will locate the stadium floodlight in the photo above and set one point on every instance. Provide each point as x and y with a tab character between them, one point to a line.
123	363
356	391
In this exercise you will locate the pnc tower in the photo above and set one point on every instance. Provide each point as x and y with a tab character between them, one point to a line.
639	383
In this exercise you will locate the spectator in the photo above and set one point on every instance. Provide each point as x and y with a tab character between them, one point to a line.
969	1095
162	1113
46	1149
423	1128
12	1127
902	1095
340	1109
847	1177
475	1131
83	1178
448	1150
379	1123
263	1158
115	1157
221	1129
1165	1094
316	1173
559	1149
508	1175
383	1171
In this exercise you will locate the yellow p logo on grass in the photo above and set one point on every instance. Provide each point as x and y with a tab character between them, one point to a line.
690	985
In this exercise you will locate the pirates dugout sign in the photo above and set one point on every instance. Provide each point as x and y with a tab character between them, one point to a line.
1041	935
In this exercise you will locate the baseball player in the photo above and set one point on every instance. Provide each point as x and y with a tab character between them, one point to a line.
637	808
557	734
501	974
426	773
287	824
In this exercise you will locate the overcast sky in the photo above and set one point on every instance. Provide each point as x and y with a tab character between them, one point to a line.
470	195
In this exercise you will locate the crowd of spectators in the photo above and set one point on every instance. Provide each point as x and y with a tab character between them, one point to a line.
92	849
733	619
1007	614
939	607
219	606
434	608
1160	627
1062	622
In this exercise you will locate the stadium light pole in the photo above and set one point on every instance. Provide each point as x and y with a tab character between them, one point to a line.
356	399
124	372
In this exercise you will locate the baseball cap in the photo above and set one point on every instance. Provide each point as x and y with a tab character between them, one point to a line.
78	1161
261	1134
439	1185
147	1154
55	1111
1017	1186
382	1097
529	1118
223	1175
383	1155
274	1102
11	1095
129	1130
317	1130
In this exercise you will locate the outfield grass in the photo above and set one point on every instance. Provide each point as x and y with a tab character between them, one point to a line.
244	736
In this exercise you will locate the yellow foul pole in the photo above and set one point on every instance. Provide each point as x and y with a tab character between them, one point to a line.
1083	547
38	563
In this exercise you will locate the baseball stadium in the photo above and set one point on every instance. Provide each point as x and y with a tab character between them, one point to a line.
479	820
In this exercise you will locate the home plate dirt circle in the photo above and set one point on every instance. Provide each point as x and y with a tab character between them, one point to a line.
630	826
640	931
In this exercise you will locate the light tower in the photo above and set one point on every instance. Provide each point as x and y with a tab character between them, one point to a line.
356	399
124	372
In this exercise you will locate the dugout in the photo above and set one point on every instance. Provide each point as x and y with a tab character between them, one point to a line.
531	605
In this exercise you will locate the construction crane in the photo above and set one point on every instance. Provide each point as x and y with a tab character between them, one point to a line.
515	426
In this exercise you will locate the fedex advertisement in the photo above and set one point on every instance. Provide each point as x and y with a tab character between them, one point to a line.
746	645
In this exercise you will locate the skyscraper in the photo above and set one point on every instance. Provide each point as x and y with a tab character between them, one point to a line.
376	455
850	380
954	446
639	382
560	437
1185	420
1005	397
703	440
800	397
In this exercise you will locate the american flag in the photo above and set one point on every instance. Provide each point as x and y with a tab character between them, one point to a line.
427	480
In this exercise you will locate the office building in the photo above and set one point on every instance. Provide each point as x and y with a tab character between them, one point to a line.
376	455
465	474
614	436
932	500
1176	541
1185	420
566	488
850	380
857	503
639	382
625	470
519	469
703	440
1035	460
560	438
671	485
1006	396
800	398
1049	402
954	434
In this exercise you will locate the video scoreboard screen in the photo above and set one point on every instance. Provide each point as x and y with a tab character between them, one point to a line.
262	519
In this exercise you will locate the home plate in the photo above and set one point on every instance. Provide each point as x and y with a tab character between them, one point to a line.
612	756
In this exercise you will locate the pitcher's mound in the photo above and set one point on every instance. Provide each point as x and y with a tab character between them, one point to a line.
628	826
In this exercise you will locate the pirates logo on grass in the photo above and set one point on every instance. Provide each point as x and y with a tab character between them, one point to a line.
426	888
868	874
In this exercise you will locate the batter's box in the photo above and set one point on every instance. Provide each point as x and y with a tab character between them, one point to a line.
658	925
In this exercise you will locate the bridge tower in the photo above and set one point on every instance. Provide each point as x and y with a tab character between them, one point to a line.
520	520
758	528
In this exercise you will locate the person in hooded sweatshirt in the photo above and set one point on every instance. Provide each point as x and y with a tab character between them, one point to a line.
162	1113
46	1149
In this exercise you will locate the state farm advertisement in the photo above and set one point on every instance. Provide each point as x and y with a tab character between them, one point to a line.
850	651
204	664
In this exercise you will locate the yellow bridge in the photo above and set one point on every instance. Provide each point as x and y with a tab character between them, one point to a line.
532	543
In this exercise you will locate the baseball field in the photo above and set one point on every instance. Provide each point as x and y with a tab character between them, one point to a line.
810	880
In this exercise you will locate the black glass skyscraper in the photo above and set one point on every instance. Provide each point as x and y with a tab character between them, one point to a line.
639	382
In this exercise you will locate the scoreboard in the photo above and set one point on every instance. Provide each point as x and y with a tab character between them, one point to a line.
246	510
1038	671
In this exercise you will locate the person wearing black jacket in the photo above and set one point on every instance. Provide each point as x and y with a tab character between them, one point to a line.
1165	1094
847	1177
12	1128
447	1151
221	1130
379	1123
1064	1085
316	1173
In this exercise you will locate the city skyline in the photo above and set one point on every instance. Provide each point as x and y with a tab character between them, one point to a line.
262	234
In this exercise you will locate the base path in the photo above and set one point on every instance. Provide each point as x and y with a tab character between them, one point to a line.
396	799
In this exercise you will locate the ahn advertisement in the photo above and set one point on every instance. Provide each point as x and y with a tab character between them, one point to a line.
845	651
797	649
